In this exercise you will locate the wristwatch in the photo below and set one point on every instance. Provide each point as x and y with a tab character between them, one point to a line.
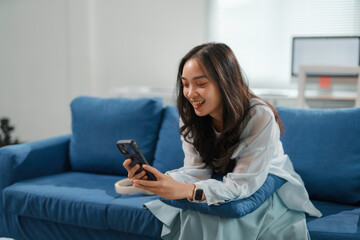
198	194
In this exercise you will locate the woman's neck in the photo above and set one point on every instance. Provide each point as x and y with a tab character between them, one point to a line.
218	124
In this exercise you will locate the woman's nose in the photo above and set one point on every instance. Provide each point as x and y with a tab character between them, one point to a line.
191	92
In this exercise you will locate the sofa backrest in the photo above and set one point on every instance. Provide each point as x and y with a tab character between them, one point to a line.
98	123
324	146
169	154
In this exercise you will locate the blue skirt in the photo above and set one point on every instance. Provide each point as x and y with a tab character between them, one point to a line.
271	221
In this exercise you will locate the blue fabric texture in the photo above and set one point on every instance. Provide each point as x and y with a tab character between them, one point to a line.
127	214
339	222
168	153
234	209
97	124
324	146
74	198
29	160
85	200
51	230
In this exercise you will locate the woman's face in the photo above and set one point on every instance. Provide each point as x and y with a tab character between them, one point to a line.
201	90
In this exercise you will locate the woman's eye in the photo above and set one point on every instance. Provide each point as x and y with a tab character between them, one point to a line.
201	84
185	85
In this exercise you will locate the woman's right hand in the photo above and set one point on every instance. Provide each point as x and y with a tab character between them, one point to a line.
132	170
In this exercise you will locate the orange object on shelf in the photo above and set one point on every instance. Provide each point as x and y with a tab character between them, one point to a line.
325	82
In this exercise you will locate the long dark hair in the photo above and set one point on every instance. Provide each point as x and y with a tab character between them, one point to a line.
220	62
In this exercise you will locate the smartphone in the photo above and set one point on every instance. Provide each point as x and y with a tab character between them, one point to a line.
130	149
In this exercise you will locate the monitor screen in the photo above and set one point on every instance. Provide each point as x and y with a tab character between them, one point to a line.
325	51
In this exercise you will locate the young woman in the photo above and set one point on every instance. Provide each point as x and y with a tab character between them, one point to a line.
226	129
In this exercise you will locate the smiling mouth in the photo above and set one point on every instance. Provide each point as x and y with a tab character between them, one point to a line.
197	104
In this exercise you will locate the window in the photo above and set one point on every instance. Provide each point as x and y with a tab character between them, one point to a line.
260	31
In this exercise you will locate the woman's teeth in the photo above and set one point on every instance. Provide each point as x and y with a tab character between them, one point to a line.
198	103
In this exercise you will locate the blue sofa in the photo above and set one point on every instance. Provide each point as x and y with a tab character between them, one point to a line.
63	187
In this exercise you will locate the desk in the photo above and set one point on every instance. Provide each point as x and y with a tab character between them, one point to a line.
288	97
331	75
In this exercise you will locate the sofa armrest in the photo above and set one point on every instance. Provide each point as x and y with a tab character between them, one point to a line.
29	160
34	159
233	209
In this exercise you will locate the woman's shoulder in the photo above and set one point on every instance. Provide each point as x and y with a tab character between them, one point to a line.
259	108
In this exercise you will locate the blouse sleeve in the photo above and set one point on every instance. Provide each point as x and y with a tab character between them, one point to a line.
258	144
194	169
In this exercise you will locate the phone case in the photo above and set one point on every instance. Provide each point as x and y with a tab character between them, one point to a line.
130	149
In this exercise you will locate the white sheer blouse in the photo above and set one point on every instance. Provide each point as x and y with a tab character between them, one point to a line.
259	153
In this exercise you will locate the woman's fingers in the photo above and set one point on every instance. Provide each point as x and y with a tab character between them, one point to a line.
140	175
144	177
127	163
147	188
146	183
133	170
153	170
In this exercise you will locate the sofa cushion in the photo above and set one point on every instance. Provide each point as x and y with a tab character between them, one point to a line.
234	209
97	124
339	222
37	229
73	198
324	146
168	153
127	214
82	200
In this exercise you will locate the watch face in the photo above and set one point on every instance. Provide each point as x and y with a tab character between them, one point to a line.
198	194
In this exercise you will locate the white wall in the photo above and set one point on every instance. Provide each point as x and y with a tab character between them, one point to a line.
34	77
53	51
141	42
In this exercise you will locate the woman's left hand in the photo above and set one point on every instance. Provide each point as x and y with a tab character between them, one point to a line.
165	186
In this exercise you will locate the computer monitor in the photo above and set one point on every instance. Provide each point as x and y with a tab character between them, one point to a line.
325	51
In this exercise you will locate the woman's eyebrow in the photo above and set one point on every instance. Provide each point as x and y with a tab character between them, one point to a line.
195	78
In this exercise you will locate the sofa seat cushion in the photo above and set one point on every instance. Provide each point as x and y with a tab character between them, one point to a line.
83	200
127	214
98	123
339	222
74	198
324	146
37	229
